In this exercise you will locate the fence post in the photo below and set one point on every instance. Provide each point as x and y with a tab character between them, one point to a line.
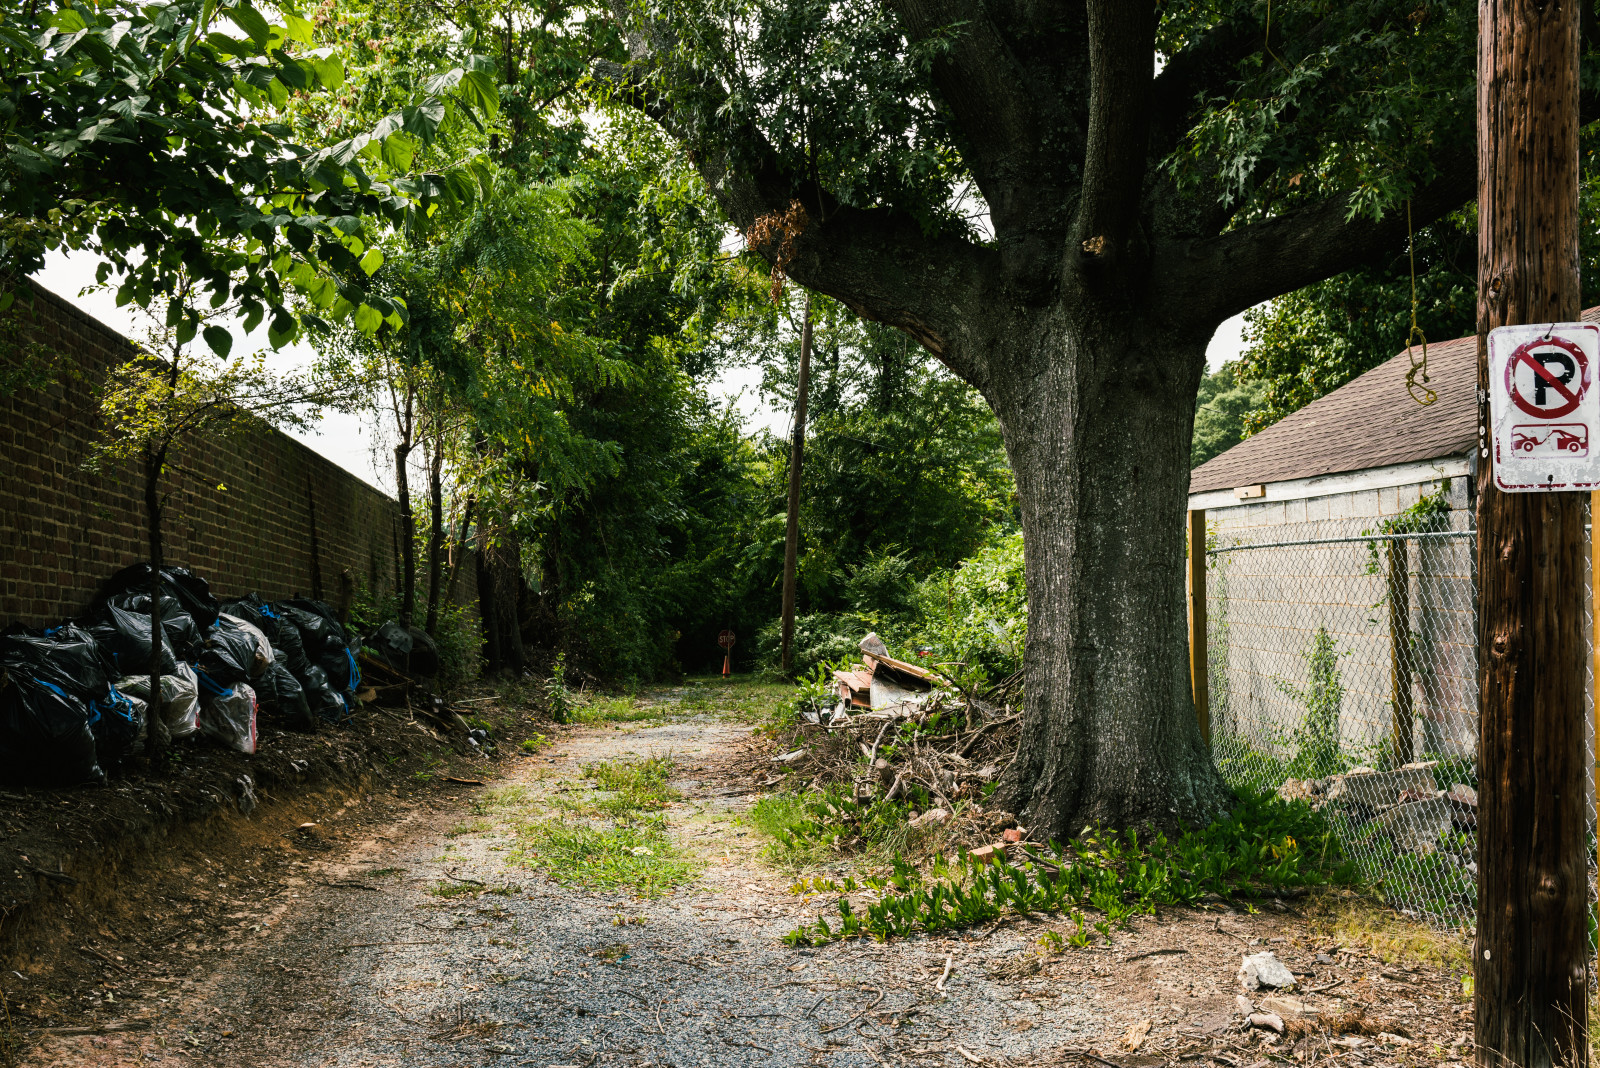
1198	677
1401	729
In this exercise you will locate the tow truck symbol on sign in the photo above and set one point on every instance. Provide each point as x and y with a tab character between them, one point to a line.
1551	439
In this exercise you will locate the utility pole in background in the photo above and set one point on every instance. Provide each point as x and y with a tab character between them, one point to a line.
791	540
1532	947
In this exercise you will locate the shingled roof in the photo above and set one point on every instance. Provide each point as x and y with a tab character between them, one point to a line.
1368	422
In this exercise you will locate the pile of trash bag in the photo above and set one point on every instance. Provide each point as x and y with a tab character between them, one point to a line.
76	700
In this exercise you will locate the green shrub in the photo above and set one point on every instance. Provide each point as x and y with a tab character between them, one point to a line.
974	617
1262	845
823	637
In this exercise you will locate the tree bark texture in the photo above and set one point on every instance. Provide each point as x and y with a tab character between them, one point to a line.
408	535
1531	953
1111	734
435	533
156	736
1083	323
797	452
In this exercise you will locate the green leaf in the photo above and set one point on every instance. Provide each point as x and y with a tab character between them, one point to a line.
299	29
67	20
372	260
330	72
399	150
185	331
481	90
367	319
251	21
220	340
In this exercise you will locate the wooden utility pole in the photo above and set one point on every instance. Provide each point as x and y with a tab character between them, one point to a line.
791	540
1531	955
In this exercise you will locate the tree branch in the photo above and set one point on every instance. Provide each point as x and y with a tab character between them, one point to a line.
1000	108
878	262
1206	67
1122	41
1217	277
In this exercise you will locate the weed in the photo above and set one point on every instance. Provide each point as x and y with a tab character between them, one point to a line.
475	827
804	829
558	699
452	889
636	786
635	855
1317	737
1264	843
376	872
601	709
534	744
499	798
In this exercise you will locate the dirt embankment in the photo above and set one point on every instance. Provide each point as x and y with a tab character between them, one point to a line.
107	896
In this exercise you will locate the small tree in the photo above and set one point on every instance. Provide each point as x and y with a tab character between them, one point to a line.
167	394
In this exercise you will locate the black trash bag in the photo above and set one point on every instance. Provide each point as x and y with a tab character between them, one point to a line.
45	738
321	698
129	614
125	637
192	591
255	611
327	647
340	666
407	650
281	695
67	657
229	654
117	726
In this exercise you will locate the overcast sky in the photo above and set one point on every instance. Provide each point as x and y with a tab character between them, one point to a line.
349	441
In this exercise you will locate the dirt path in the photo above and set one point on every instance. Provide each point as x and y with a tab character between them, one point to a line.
428	943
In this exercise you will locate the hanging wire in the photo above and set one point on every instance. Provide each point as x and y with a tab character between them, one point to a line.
1420	392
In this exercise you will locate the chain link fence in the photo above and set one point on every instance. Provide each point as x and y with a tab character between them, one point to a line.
1342	663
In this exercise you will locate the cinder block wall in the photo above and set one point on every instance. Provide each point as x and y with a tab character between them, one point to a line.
1266	607
252	511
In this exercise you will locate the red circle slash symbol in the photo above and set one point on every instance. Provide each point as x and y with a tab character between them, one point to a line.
1560	377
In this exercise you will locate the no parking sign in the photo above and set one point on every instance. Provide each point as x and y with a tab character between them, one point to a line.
1544	407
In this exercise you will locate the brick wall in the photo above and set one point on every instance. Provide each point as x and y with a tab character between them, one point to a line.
288	522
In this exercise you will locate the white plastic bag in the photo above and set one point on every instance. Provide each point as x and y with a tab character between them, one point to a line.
180	698
230	717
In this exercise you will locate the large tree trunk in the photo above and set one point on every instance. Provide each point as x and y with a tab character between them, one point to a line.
1109	734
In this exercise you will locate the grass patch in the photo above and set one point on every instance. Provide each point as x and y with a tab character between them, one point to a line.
1352	921
742	698
1263	845
598	708
534	744
636	855
807	829
635	785
475	827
